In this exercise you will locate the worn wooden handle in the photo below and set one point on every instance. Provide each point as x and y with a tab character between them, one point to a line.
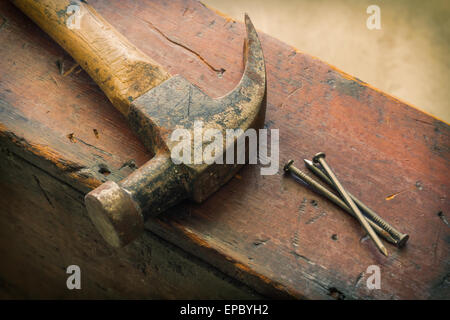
121	70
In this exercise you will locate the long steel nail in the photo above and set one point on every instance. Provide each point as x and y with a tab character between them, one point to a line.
401	238
289	167
320	158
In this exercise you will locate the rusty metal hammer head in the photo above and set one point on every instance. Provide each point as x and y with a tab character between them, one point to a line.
119	209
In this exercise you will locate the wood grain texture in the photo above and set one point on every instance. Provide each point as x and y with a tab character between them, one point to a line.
45	228
121	70
268	232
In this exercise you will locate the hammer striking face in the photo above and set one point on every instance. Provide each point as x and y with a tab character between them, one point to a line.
155	105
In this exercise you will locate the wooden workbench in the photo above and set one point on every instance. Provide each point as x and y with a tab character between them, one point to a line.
259	236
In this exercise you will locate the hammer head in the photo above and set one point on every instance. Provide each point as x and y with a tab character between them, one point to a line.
119	209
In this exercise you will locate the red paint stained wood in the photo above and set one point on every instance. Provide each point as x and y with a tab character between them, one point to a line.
267	231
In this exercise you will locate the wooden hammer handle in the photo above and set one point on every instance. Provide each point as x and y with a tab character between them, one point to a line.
121	70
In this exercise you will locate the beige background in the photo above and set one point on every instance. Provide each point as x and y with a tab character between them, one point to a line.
408	58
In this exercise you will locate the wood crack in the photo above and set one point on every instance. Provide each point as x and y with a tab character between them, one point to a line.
74	139
219	72
289	95
96	148
43	191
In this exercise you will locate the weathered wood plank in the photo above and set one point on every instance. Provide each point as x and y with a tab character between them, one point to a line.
268	232
45	228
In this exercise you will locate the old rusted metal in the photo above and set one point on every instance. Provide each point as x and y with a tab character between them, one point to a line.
160	183
155	105
289	167
401	238
320	158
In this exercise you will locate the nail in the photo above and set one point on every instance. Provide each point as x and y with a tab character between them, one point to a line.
320	158
401	238
289	167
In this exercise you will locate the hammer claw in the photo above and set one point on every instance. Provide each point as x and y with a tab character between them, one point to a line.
177	104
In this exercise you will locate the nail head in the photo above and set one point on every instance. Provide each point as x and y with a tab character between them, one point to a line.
288	165
318	156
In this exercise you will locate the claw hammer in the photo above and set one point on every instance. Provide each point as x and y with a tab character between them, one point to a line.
155	104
